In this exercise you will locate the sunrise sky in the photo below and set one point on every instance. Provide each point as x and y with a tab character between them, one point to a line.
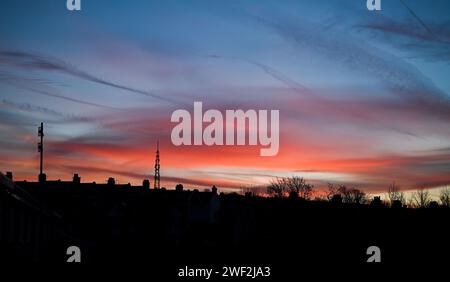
363	96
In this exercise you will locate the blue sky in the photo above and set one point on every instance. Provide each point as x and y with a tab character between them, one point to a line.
363	95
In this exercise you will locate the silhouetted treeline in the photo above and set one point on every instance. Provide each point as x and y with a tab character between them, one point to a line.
295	186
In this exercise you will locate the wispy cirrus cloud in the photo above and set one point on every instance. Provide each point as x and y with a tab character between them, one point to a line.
431	43
36	86
31	61
341	48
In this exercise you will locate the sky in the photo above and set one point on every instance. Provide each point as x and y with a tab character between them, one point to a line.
363	95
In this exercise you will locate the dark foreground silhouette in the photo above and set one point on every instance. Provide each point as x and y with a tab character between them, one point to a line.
168	229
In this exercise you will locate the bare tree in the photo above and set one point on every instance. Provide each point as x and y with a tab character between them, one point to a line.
421	198
277	187
299	186
444	196
348	195
359	197
332	190
352	195
290	185
394	194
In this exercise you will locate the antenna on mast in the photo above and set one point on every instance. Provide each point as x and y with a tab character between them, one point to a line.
157	166
42	176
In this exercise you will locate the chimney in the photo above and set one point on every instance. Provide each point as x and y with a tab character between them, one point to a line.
214	190
111	181
146	184
76	179
9	175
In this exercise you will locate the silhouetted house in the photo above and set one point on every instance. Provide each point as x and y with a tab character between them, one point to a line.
202	207
110	213
28	229
396	204
376	202
111	221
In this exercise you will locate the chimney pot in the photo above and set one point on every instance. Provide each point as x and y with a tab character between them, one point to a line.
111	181
76	178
